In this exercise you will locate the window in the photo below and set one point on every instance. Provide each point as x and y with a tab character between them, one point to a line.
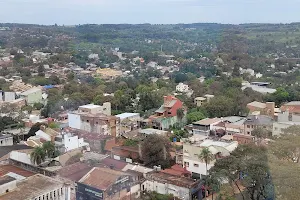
248	133
7	190
252	126
248	126
87	121
196	165
187	164
1	141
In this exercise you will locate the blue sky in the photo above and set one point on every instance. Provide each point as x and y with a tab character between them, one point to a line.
71	12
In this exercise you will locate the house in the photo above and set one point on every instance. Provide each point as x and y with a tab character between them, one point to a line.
33	95
204	126
243	139
46	134
7	96
166	183
267	108
229	128
95	119
68	141
181	87
104	183
93	56
192	149
199	101
257	121
129	122
35	187
292	107
166	115
97	142
129	154
285	120
6	140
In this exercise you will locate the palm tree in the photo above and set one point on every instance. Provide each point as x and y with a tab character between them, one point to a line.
49	149
38	155
207	157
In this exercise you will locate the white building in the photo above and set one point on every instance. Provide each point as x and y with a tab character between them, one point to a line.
248	71
93	56
258	75
37	187
192	149
67	142
181	87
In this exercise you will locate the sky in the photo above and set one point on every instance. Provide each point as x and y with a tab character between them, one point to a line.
72	12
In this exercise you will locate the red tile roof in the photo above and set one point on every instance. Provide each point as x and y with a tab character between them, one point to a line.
75	171
4	169
116	164
101	178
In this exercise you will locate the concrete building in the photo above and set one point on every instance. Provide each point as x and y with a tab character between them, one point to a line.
204	126
67	141
33	95
129	122
192	149
37	187
257	121
199	101
95	119
267	108
181	87
6	140
7	96
104	183
285	120
165	183
166	115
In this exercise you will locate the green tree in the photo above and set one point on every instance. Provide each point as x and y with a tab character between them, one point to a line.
194	116
38	155
156	151
207	157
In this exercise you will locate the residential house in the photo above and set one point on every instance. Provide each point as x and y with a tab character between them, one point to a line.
104	183
229	128
6	140
199	101
168	183
46	134
292	107
166	115
285	120
181	87
36	187
33	95
7	96
204	126
243	139
68	141
129	154
192	149
257	121
95	119
267	108
129	122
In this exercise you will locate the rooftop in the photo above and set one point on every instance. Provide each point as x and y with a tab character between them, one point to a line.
6	169
200	98
75	171
90	106
6	179
101	178
259	120
257	104
207	121
32	187
4	150
31	90
150	131
172	179
126	115
115	164
293	103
